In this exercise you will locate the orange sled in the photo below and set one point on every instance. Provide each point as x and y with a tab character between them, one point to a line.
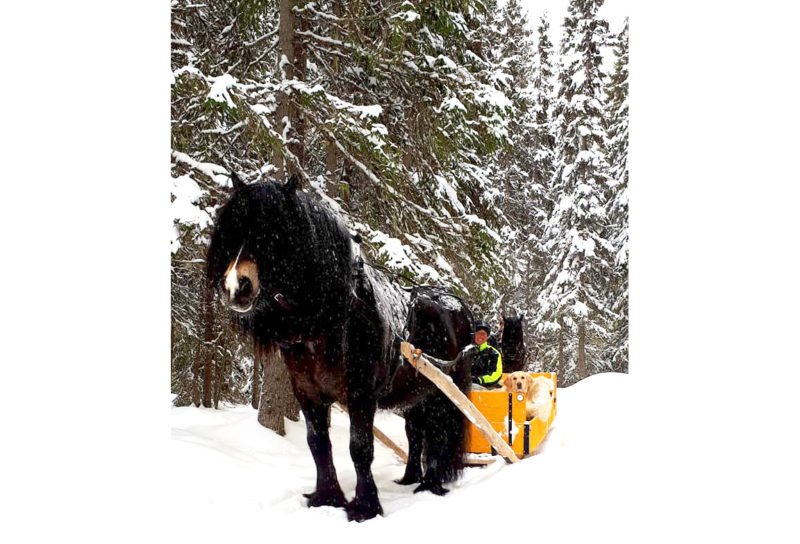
505	412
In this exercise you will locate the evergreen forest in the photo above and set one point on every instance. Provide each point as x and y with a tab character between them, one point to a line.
464	147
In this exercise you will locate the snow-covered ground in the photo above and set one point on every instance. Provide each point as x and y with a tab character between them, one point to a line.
624	461
242	479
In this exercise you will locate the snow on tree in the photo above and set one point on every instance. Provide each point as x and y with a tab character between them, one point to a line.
575	305
543	132
537	146
389	111
433	129
521	196
618	211
209	55
418	188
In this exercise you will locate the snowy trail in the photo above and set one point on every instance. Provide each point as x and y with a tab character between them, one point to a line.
227	469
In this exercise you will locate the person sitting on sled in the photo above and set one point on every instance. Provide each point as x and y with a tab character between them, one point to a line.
487	366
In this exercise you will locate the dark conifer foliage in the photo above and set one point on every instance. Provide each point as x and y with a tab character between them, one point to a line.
618	209
523	196
452	136
575	303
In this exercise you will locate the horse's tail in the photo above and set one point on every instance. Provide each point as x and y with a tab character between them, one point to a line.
446	429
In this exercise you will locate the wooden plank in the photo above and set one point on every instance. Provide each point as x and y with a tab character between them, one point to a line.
472	459
446	385
382	438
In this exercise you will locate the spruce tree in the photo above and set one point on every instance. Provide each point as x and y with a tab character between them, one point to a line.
618	213
521	196
575	305
539	205
543	136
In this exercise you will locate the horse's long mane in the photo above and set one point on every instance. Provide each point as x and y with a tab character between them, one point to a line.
303	252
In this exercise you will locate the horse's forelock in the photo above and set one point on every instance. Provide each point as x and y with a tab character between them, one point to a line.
232	230
299	250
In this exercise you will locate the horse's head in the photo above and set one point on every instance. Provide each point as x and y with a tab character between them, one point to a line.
439	322
513	343
240	285
245	246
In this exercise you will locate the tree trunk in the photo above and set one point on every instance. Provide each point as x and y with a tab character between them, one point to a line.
331	159
503	166
196	383
583	371
299	122
256	387
208	347
331	152
277	399
562	363
219	380
291	62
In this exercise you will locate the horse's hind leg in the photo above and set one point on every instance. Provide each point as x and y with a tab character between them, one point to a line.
328	491
444	428
414	433
365	505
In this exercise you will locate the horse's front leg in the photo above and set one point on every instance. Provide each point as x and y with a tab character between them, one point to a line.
328	491
365	505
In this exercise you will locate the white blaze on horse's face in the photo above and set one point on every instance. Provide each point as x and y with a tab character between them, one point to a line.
232	277
240	283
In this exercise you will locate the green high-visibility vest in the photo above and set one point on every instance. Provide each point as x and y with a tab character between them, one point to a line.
494	377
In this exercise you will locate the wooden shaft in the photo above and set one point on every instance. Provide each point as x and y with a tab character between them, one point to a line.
382	438
459	399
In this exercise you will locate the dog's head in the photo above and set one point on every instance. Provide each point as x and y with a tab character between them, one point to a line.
518	382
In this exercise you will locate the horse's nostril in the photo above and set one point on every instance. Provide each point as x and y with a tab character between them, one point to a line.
245	286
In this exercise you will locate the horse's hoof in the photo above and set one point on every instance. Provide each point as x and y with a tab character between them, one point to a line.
363	510
409	479
326	498
435	488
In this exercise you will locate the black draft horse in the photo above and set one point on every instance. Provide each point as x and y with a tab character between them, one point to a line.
512	344
441	325
292	273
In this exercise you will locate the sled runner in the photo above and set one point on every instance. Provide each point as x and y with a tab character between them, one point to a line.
497	419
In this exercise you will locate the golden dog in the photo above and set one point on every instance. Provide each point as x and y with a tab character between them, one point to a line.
538	393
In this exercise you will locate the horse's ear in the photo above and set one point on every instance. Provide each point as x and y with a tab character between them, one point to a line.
236	181
521	317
